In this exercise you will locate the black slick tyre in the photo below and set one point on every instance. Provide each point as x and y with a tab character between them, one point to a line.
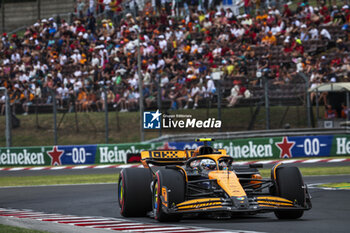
290	186
174	183
134	192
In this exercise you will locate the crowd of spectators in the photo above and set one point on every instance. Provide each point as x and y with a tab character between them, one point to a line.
94	58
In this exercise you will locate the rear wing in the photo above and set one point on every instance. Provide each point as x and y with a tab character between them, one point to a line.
170	157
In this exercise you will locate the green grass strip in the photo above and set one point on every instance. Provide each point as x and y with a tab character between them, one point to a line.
58	179
11	229
315	171
113	178
336	185
319	171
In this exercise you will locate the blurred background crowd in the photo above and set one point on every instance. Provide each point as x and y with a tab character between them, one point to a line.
94	55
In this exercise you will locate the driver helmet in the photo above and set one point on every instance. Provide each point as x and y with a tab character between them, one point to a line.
208	164
223	165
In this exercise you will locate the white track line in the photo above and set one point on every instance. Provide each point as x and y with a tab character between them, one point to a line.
312	161
266	161
41	168
57	168
336	160
290	161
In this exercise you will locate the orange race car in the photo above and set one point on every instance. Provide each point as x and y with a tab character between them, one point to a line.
193	182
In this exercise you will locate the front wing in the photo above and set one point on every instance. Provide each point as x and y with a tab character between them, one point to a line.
253	204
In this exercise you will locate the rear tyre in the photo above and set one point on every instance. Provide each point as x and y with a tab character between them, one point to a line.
290	186
174	183
134	192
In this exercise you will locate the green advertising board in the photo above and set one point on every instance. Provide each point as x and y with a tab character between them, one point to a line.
257	148
117	153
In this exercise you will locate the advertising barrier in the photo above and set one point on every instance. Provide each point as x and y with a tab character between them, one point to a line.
71	155
240	149
280	147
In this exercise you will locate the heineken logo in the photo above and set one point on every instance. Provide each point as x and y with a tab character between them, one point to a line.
343	146
249	150
21	157
115	155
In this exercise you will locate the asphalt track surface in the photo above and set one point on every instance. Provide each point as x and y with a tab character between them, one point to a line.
330	212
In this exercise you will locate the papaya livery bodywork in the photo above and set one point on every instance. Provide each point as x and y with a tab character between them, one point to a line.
177	183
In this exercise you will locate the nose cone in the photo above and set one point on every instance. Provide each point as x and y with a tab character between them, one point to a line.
240	202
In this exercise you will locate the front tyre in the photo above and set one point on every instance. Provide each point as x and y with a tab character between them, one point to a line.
290	185
172	182
134	192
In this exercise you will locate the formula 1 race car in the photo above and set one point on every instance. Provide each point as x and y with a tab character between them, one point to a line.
205	181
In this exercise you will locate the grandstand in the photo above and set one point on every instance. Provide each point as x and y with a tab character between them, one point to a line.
181	47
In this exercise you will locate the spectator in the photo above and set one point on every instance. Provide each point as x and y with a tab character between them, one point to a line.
330	113
194	95
269	39
183	96
210	88
3	104
173	95
92	101
304	34
81	100
62	94
344	111
235	95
